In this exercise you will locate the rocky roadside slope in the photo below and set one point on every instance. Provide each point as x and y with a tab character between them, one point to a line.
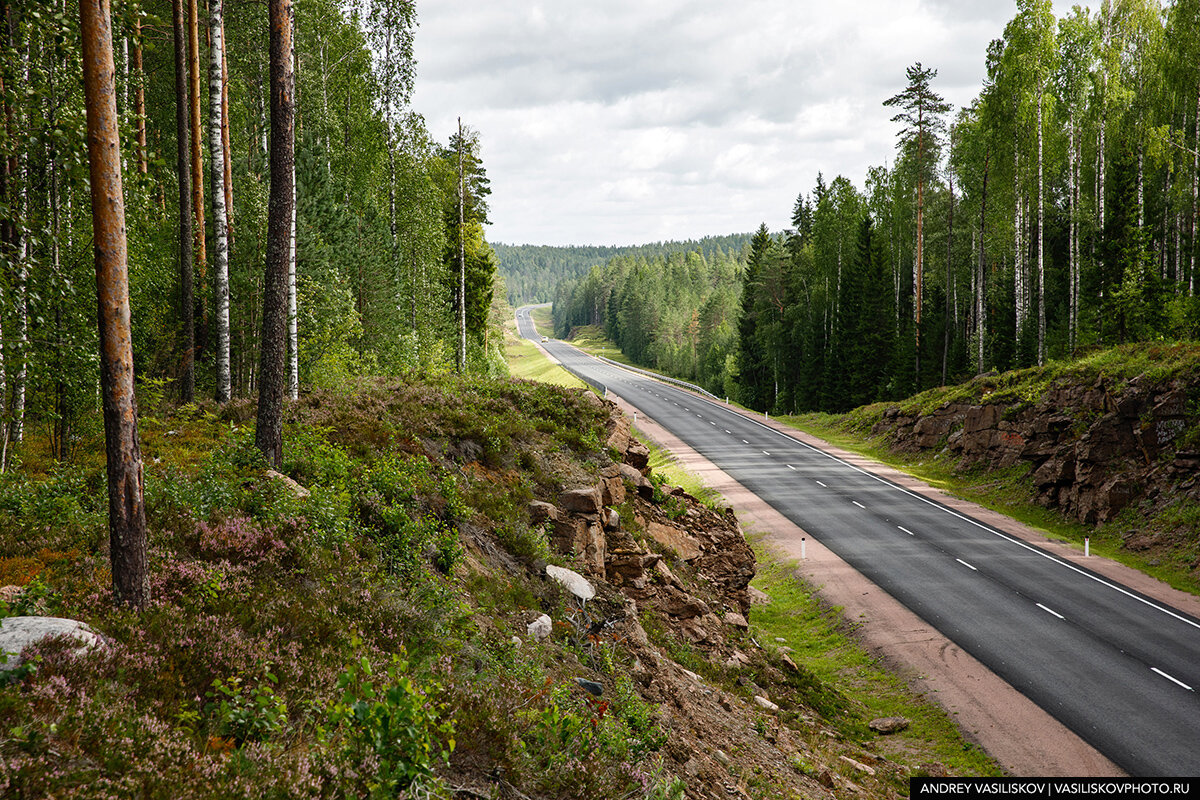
1099	446
670	578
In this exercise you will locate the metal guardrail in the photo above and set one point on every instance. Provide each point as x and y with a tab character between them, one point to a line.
665	379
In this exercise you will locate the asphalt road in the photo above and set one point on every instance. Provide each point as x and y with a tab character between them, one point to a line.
1119	669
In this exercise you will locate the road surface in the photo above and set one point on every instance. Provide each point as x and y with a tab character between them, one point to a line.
1118	668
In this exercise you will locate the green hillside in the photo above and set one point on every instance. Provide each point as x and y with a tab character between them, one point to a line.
533	271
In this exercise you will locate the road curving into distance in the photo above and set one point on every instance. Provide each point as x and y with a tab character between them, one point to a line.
1118	668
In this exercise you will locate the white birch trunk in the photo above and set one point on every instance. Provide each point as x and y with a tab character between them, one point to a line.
217	159
462	261
1195	197
1041	274
1071	262
293	337
293	333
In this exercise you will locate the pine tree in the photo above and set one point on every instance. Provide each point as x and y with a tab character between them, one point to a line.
920	136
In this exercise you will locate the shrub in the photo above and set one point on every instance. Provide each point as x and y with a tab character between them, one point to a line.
393	720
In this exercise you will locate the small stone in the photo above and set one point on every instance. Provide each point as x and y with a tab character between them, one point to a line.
540	628
758	597
858	766
723	757
591	687
787	661
886	725
765	703
540	511
296	489
737	660
572	581
736	620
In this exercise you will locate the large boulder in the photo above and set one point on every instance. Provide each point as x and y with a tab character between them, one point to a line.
17	633
582	501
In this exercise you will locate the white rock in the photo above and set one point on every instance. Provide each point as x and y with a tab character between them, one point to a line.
572	581
765	703
540	628
295	488
17	633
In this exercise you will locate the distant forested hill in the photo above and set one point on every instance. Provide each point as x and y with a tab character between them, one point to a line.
532	271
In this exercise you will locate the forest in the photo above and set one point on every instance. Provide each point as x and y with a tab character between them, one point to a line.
1055	213
533	272
375	245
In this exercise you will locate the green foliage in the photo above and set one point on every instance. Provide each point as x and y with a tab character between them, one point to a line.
246	713
394	506
393	719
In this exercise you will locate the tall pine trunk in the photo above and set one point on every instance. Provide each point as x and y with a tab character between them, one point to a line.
271	374
201	247
187	372
981	274
126	508
949	283
217	160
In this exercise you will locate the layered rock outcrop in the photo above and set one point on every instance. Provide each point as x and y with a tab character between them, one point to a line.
636	556
1094	448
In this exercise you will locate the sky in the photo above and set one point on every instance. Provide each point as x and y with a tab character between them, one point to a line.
614	122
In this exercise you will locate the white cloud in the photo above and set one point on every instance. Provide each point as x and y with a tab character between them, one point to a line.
623	121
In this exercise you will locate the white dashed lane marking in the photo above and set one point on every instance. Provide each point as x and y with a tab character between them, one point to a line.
1050	611
860	505
965	564
906	530
1172	679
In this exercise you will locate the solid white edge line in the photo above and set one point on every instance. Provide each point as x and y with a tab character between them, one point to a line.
860	505
1050	611
953	513
1172	679
965	564
906	530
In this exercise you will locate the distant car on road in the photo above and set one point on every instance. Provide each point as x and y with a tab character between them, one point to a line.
544	339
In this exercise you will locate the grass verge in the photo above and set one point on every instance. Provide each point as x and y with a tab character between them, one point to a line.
526	361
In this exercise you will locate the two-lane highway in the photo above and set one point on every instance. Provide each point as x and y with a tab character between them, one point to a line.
1118	668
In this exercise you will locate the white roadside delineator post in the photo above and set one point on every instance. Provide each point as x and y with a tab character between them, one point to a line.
803	548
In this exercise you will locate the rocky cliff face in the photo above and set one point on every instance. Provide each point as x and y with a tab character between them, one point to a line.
1094	448
632	555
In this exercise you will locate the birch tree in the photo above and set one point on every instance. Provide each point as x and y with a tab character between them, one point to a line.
218	158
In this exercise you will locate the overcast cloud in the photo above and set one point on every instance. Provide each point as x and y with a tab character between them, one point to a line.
633	121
